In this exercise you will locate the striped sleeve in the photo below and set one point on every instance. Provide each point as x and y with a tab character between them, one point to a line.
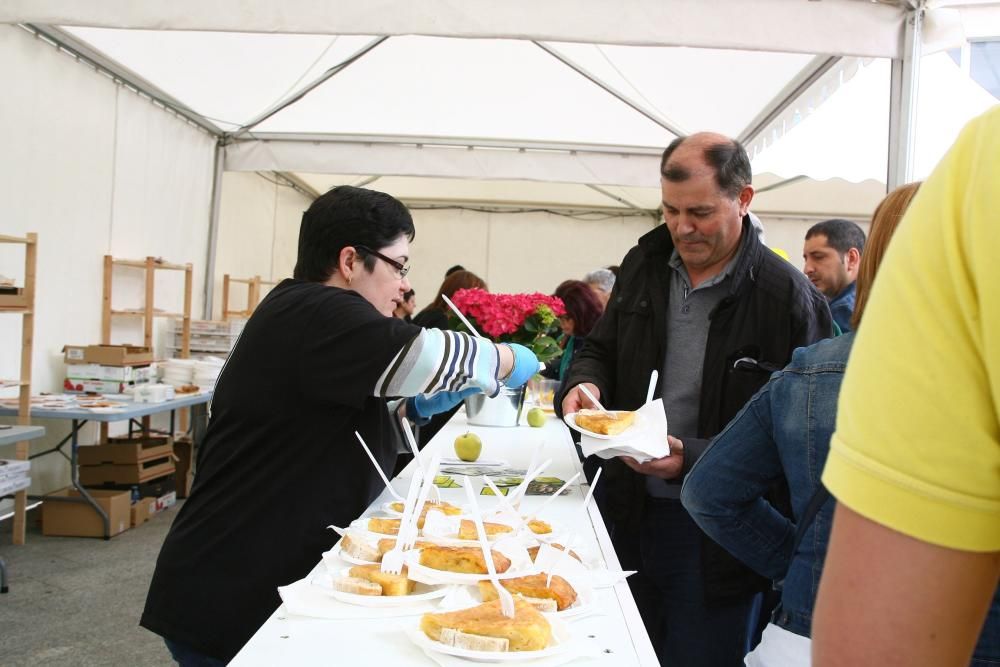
437	360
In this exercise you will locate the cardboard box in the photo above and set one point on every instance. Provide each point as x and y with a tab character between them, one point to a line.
78	519
123	451
112	473
78	386
108	355
110	373
143	510
17	299
153	488
184	462
165	501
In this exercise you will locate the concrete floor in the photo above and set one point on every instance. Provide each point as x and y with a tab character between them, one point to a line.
76	601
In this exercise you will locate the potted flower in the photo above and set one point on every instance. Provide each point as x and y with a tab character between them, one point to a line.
528	319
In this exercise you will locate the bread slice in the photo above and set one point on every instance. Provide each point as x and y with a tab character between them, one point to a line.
391	584
527	631
533	586
467	529
357	586
605	423
539	527
464	560
359	549
533	551
452	637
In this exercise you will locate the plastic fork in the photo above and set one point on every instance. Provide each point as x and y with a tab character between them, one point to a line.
652	385
552	497
407	540
572	538
378	468
529	476
412	442
506	601
461	317
597	403
504	503
392	561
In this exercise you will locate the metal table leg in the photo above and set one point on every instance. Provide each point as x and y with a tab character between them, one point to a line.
75	477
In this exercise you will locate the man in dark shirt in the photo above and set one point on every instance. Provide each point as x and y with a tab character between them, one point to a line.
698	299
832	255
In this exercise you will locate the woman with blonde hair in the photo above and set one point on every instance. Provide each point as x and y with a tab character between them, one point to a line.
783	433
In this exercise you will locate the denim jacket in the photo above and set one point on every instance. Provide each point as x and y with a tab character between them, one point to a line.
784	430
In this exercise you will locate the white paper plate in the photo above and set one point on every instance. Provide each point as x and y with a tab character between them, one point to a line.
637	425
561	642
421	593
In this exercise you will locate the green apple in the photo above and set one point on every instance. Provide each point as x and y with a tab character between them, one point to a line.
468	446
536	417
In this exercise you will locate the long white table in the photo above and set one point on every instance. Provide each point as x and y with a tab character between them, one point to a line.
617	633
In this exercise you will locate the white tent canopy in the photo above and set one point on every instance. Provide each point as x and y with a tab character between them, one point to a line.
558	103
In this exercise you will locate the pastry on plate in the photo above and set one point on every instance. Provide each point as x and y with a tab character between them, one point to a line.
464	560
555	597
533	551
392	584
605	423
383	525
539	527
447	508
485	628
388	543
467	529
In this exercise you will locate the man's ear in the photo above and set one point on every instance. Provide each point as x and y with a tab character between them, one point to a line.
853	261
746	195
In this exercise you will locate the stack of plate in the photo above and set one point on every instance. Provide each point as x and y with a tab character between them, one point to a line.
206	372
178	372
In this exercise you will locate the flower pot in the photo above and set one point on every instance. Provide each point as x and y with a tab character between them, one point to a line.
504	410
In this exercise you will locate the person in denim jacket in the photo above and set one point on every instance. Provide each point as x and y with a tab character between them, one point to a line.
784	431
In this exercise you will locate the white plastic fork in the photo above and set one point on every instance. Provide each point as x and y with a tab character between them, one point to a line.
504	503
597	403
458	313
572	538
392	561
378	468
551	498
412	442
410	537
518	494
506	600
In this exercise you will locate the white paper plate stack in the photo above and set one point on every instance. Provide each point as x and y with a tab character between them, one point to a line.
206	372
178	372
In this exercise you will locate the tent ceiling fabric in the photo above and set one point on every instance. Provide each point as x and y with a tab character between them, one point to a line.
851	27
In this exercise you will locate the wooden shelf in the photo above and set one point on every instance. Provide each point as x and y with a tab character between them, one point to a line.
23	304
157	264
253	295
137	312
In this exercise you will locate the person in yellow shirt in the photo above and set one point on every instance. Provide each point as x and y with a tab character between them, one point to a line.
914	462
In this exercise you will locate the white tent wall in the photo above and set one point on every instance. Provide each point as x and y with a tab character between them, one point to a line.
258	232
93	168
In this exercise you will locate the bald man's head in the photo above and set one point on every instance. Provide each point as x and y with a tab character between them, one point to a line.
724	156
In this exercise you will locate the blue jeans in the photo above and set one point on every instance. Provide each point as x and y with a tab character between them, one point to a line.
691	630
185	656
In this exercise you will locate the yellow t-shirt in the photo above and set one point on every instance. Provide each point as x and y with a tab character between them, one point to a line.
917	445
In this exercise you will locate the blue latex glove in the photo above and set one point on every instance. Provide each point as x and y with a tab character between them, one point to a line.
422	407
525	366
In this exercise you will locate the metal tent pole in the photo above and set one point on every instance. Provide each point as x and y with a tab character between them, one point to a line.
903	99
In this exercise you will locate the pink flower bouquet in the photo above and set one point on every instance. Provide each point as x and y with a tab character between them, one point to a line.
528	319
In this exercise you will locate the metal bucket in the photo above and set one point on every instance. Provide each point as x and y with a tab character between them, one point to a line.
504	410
